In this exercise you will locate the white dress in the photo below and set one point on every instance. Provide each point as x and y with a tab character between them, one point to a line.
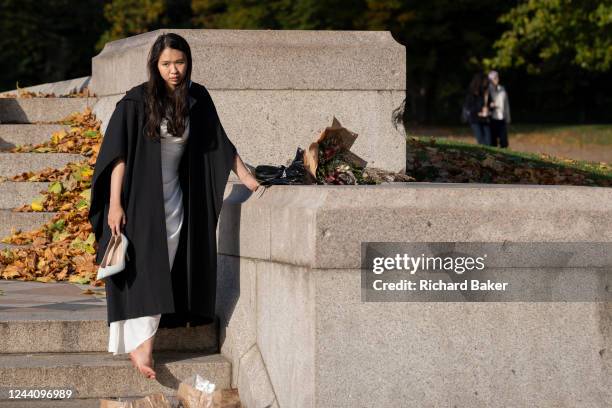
127	335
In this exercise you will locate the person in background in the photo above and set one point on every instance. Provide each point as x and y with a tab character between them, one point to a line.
500	111
475	108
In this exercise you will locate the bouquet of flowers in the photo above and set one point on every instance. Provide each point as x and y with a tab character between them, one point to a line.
329	159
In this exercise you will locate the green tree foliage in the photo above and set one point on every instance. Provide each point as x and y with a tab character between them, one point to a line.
130	17
277	14
558	33
238	14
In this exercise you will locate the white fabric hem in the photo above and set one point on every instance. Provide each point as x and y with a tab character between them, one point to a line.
126	335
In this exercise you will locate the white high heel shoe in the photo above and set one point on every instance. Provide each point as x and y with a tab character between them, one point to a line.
114	257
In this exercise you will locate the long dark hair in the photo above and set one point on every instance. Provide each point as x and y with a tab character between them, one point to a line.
479	84
158	103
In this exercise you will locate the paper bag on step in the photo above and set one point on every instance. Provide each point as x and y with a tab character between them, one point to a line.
196	392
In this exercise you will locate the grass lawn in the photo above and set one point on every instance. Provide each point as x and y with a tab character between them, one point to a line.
569	134
582	142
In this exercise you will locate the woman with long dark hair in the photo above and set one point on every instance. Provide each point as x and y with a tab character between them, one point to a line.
476	108
160	176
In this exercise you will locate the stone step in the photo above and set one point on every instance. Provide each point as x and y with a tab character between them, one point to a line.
12	164
16	193
26	221
32	110
57	88
102	375
22	134
19	334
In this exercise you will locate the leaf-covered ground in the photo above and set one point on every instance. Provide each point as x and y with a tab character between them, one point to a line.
443	160
580	142
64	248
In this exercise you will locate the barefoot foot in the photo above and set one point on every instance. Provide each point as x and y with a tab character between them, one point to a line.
143	362
142	358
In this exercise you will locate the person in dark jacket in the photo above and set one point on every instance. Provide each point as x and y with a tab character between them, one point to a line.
476	109
159	179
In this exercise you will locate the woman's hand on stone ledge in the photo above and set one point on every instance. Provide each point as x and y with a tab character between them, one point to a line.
252	184
244	174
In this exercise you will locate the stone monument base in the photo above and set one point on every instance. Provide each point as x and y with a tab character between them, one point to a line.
298	334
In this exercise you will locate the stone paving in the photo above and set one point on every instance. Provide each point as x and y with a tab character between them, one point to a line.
25	299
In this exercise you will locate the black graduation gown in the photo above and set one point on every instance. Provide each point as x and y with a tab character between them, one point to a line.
147	286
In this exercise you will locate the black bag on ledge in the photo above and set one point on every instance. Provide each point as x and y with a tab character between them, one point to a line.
294	174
